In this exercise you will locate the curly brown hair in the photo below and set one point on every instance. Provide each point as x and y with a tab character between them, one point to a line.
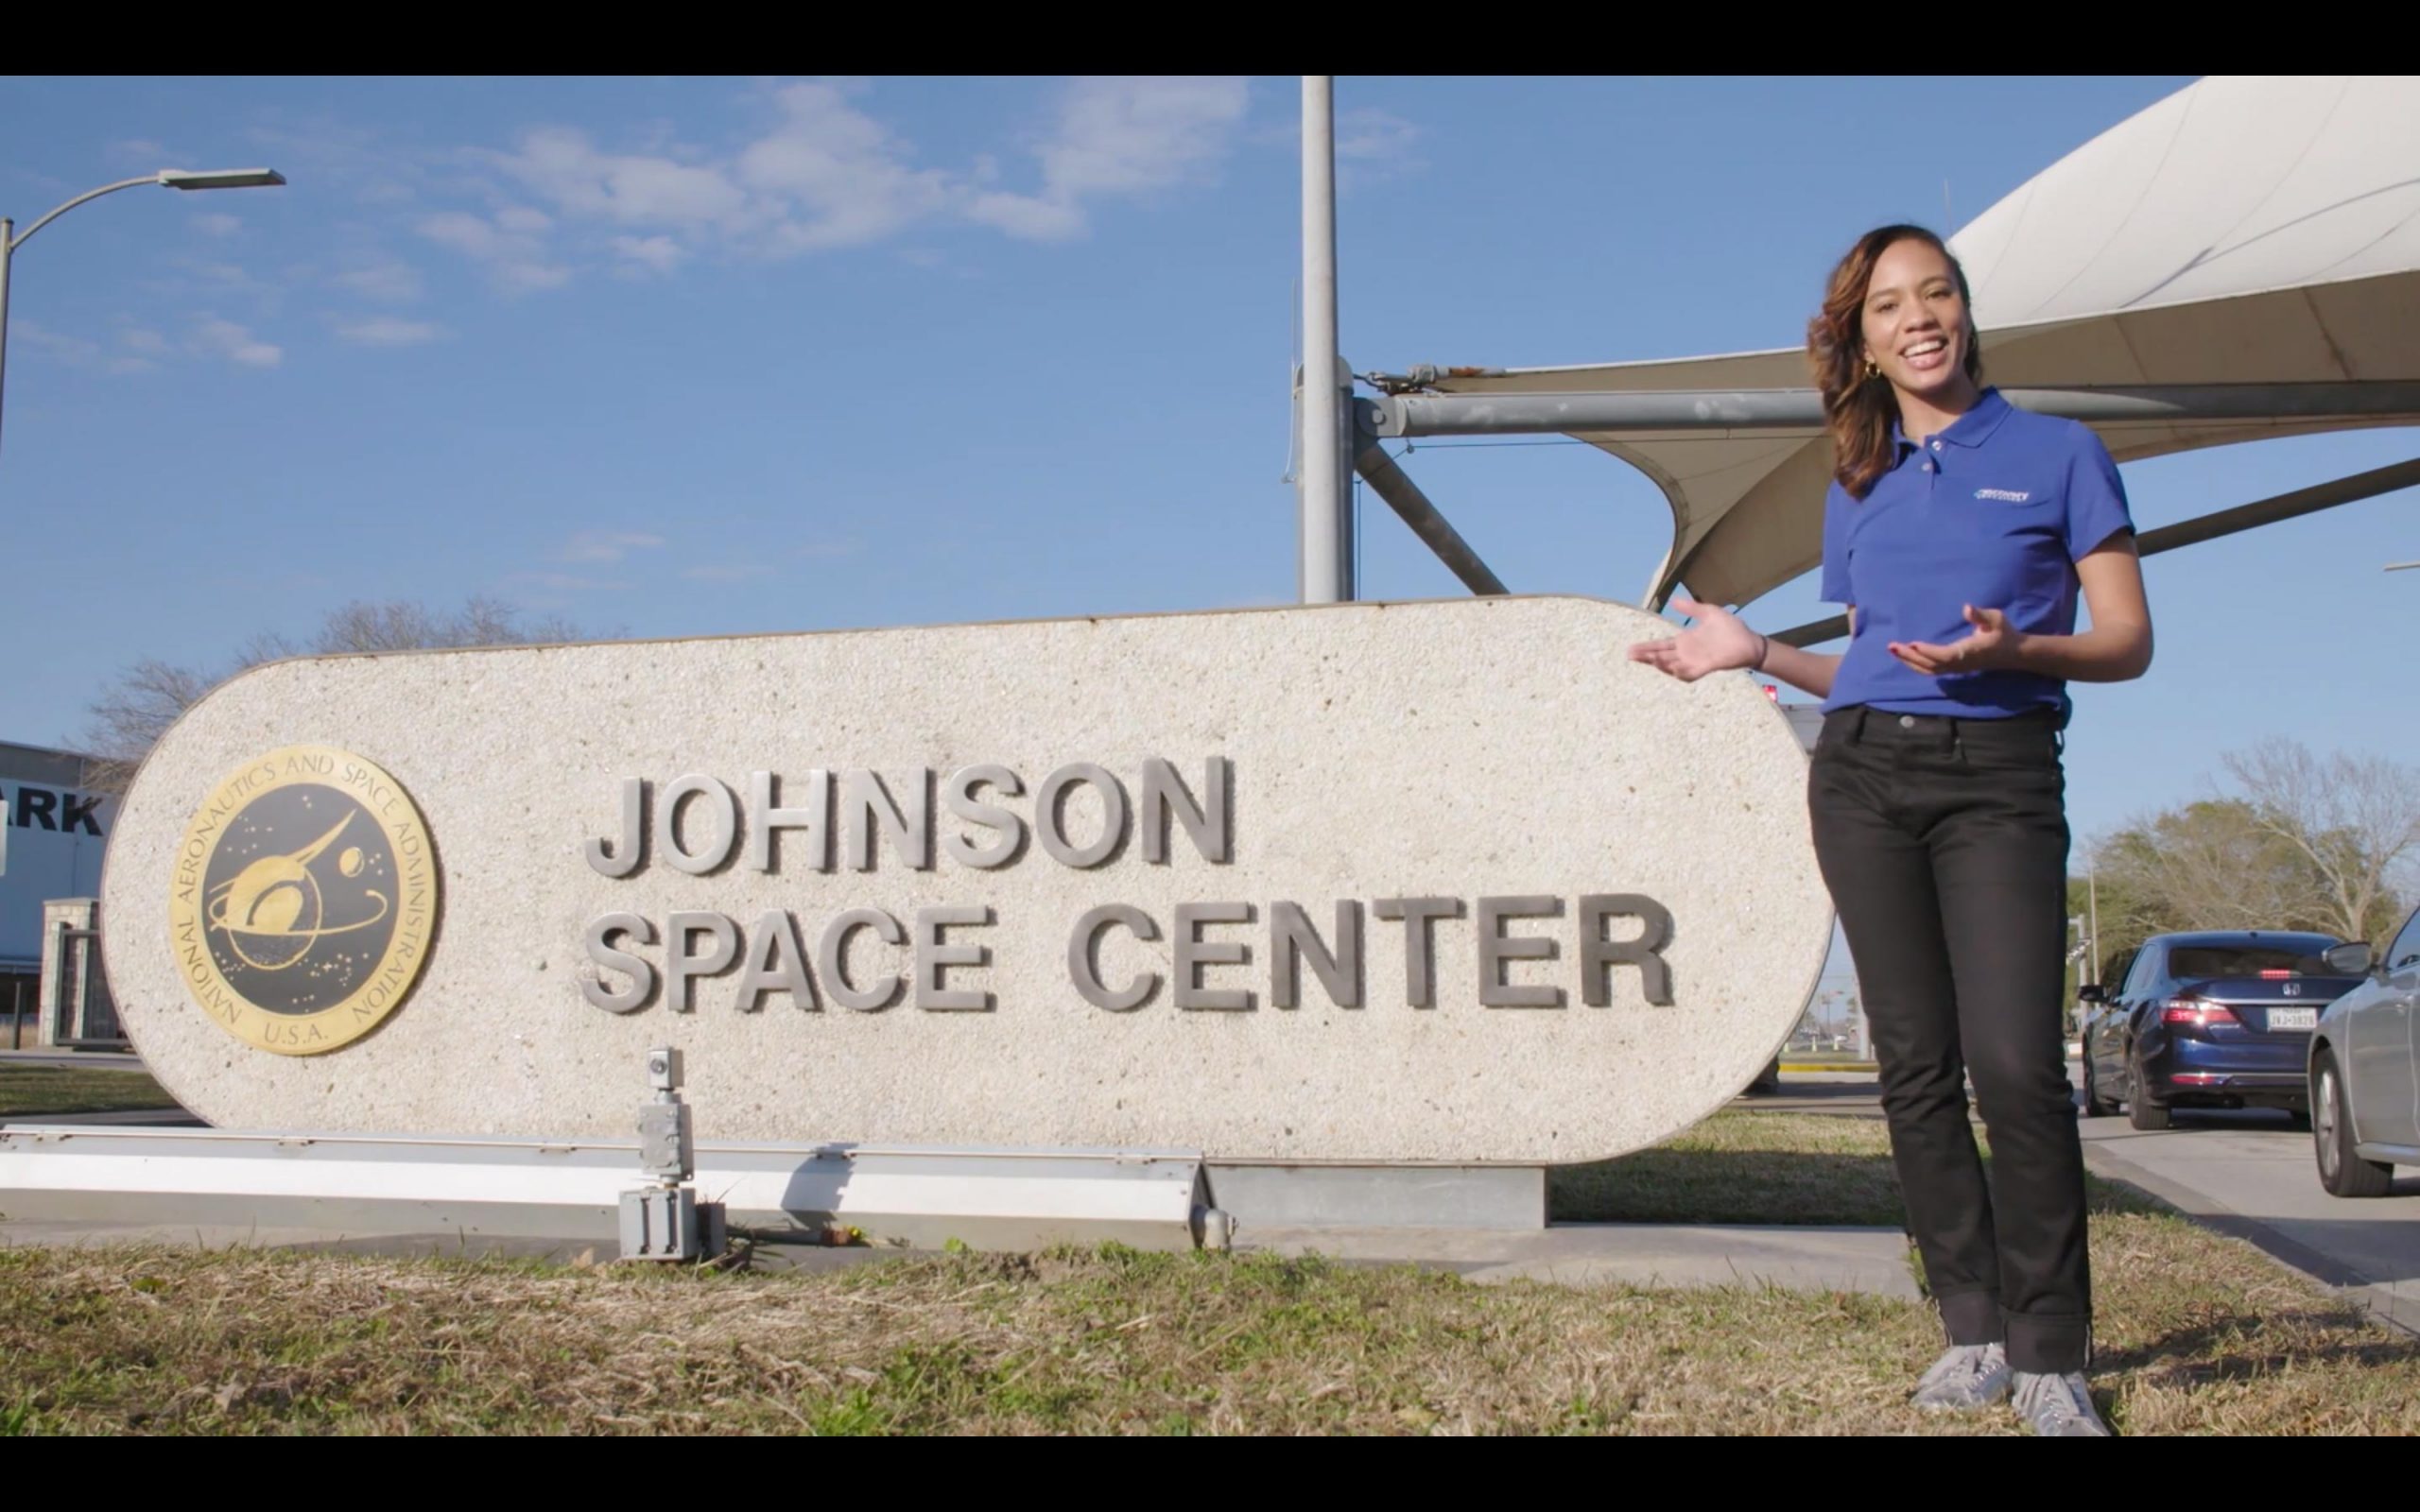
1859	407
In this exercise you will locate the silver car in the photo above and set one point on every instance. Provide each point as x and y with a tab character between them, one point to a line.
2365	1068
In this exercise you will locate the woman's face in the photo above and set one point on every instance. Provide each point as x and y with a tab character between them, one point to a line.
1915	323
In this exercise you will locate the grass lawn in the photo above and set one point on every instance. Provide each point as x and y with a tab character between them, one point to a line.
42	1089
1741	1166
2198	1334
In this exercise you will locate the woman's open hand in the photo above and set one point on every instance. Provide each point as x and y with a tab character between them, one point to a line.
1993	645
1717	642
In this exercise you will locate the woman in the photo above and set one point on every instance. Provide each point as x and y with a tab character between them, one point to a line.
1957	531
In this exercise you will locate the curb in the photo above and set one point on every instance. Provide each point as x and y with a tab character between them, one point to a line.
2380	1301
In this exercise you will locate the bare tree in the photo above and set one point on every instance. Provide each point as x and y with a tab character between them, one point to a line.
2355	818
2209	864
138	708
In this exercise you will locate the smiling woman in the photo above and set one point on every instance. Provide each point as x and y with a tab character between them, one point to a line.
1959	531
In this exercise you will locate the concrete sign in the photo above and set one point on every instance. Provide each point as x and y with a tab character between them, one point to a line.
1447	881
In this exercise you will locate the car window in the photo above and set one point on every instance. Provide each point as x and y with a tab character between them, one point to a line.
2138	979
2201	962
2406	948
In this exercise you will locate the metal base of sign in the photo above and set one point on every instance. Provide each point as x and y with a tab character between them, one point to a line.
573	1190
1312	1194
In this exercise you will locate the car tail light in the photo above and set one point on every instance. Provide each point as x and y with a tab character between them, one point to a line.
2275	974
2194	1013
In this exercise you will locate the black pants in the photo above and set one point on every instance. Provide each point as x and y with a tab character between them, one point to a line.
1945	844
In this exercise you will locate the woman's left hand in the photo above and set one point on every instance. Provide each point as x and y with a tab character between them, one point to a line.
1993	646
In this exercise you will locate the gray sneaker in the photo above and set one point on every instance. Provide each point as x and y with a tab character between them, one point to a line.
2058	1407
1967	1375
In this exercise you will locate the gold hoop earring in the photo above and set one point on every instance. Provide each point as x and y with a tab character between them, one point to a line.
1871	371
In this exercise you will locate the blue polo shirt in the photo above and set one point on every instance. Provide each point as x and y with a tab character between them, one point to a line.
1994	512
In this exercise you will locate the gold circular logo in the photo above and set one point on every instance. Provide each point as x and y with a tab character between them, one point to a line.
302	899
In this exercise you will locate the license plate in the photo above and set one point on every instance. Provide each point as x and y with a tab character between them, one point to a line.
2294	1018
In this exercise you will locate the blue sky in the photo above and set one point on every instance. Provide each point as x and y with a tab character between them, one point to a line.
684	358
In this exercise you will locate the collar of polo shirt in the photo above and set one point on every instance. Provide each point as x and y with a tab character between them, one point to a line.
1970	430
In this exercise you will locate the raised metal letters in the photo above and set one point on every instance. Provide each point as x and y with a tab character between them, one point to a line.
932	955
1599	955
1194	953
605	860
722	811
960	794
1050	814
776	963
830	954
763	818
1419	942
1086	975
599	940
1292	939
1496	948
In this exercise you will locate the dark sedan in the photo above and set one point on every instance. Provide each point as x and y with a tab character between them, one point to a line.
2215	1020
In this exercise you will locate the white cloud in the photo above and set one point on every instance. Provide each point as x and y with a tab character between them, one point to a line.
516	256
236	343
1120	137
388	331
725	574
1368	134
390	280
81	352
563	582
140	149
840	177
561	166
659	254
607	546
218	223
145	340
828	174
1373	145
1028	217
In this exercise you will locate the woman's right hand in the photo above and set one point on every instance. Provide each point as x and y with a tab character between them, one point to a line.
1718	642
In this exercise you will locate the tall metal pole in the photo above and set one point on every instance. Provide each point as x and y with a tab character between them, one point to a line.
1323	485
2092	890
8	254
165	179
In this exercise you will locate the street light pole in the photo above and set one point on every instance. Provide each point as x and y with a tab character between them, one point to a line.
10	238
1325	497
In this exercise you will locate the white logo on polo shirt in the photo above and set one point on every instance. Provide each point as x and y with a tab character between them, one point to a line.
2005	495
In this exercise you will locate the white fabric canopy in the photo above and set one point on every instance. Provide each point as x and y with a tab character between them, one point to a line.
2242	231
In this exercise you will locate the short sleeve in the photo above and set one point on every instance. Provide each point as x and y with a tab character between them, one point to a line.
1836	587
2095	497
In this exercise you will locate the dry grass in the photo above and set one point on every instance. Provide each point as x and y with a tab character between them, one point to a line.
32	1090
2198	1335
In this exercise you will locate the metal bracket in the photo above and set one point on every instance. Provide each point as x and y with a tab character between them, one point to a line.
664	1220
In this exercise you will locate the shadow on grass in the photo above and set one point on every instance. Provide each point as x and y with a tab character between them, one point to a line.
1779	1168
2200	1354
1728	1186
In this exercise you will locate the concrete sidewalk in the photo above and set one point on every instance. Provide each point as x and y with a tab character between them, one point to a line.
2250	1175
1606	1254
1643	1255
2247	1175
99	1059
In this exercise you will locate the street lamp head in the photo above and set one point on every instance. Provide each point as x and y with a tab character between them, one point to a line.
221	179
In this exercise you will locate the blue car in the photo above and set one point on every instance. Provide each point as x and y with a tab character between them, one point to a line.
2213	1019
